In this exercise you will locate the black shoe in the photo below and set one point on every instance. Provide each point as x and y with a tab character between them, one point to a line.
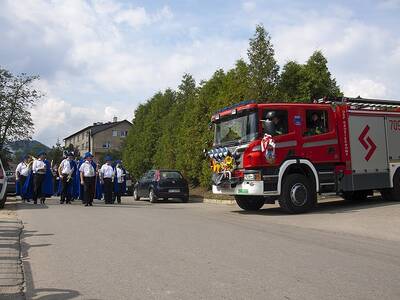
86	204
90	204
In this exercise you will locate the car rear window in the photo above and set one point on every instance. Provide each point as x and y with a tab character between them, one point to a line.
170	175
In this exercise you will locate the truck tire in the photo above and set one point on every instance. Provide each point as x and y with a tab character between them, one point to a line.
250	203
393	194
298	194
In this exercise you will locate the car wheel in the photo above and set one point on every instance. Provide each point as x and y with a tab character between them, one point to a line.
136	195
152	196
298	194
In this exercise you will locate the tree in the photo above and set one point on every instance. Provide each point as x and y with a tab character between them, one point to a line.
17	96
55	154
263	69
290	82
318	81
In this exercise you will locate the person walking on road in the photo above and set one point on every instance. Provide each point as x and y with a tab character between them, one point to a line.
107	179
66	171
21	174
39	169
88	179
120	177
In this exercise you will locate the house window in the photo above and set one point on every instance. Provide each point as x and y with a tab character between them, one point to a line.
87	144
124	133
83	146
107	145
115	133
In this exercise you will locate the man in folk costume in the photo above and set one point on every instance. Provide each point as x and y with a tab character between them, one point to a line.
119	181
107	179
40	169
66	172
88	179
21	175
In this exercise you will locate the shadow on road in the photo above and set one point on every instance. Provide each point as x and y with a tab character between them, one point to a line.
336	206
31	292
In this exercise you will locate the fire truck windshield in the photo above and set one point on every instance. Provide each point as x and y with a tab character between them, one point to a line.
236	129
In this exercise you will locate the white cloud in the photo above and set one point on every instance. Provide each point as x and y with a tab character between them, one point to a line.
366	88
134	17
249	6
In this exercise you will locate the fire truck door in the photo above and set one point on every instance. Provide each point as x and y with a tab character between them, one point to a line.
320	142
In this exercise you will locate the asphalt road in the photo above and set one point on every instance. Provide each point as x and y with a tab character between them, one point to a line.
139	250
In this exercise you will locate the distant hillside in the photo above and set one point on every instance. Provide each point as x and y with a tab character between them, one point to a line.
20	148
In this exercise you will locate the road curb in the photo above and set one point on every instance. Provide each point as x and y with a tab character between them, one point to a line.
11	272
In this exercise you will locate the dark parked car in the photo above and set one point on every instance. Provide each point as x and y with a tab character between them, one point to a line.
156	184
11	185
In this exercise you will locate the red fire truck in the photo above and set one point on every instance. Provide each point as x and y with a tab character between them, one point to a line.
290	152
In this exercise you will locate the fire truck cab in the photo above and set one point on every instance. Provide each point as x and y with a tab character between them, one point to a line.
291	152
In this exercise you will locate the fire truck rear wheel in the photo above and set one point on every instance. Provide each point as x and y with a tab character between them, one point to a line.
298	194
393	194
250	203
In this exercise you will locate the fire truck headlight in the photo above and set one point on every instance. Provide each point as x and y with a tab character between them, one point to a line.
220	152
225	151
252	176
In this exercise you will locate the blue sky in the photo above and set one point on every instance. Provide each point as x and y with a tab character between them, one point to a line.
102	58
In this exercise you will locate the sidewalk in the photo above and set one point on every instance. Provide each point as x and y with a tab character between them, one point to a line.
11	276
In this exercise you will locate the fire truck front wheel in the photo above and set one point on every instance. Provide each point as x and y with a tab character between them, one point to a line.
251	203
298	194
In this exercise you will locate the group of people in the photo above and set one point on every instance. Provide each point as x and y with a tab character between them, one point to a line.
72	179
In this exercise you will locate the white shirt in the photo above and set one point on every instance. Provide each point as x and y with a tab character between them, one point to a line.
87	169
22	169
65	167
107	171
120	175
37	165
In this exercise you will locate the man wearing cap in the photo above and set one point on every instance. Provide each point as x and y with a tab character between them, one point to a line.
39	169
66	171
107	178
21	174
88	179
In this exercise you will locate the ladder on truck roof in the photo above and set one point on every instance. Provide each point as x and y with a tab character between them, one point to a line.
361	103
